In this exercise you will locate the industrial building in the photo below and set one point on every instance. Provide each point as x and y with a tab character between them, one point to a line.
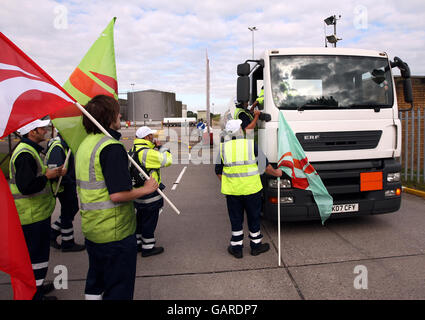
152	105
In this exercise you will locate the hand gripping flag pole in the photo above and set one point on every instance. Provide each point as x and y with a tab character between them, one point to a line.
65	165
132	161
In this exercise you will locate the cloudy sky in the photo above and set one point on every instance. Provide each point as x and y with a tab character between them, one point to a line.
161	44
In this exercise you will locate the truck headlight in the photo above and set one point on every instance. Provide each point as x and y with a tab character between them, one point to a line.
393	177
284	183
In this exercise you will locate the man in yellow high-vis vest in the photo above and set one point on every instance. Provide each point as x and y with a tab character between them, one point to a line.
57	149
108	220
238	170
151	157
31	190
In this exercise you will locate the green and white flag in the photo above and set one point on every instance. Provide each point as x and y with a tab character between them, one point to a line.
294	162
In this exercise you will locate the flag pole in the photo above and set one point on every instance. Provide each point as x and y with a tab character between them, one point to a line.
106	133
278	218
65	164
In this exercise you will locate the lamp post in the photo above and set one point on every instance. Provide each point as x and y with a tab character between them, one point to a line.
332	38
252	29
132	102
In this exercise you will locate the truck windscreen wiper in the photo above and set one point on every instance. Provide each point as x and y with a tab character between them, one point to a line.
376	107
316	106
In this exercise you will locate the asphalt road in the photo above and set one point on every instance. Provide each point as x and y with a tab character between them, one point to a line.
376	257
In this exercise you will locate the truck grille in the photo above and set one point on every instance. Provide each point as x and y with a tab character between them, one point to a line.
341	140
342	179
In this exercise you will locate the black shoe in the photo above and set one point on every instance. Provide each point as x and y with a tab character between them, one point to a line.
152	252
47	288
54	244
74	248
236	254
260	249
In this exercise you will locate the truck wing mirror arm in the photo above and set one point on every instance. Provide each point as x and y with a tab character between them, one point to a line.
407	81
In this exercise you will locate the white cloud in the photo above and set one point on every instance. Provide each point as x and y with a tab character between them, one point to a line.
161	44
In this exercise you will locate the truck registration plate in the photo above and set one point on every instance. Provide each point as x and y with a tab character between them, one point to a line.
341	208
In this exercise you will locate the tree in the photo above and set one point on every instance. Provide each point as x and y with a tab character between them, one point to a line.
191	114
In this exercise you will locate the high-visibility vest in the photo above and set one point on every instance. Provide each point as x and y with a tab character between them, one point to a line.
152	160
242	110
54	143
102	220
240	171
238	111
260	98
37	206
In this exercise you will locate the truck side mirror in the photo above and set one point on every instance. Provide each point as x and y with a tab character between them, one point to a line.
408	92
244	69
242	90
265	117
407	81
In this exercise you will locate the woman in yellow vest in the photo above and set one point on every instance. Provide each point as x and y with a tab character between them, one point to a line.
108	220
31	190
239	173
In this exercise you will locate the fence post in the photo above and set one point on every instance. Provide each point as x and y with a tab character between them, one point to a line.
406	142
418	167
412	151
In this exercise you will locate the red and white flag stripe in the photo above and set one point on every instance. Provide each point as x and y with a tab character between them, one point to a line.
26	91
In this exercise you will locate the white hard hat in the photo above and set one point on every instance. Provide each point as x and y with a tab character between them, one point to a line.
33	125
233	125
144	131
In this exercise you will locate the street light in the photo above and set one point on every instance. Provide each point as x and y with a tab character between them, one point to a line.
132	100
252	29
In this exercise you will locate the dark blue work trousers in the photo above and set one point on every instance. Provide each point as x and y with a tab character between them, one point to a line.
112	269
64	224
38	243
236	206
147	220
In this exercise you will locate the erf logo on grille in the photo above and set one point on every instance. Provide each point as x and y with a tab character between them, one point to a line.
312	137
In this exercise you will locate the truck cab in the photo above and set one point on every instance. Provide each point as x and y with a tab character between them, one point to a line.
341	105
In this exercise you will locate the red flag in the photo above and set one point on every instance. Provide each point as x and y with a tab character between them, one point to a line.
14	257
27	92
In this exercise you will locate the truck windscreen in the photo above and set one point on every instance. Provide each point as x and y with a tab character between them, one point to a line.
330	82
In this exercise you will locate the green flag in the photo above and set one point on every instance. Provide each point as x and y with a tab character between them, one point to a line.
294	162
96	74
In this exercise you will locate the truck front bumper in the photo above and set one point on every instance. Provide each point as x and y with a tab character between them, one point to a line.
342	181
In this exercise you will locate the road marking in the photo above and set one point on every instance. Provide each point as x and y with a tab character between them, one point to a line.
178	179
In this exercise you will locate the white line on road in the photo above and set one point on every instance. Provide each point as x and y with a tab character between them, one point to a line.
178	179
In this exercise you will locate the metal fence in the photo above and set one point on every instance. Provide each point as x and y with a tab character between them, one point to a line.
412	153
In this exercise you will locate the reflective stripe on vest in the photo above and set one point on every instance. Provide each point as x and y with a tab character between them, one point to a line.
37	206
56	143
240	172
102	220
